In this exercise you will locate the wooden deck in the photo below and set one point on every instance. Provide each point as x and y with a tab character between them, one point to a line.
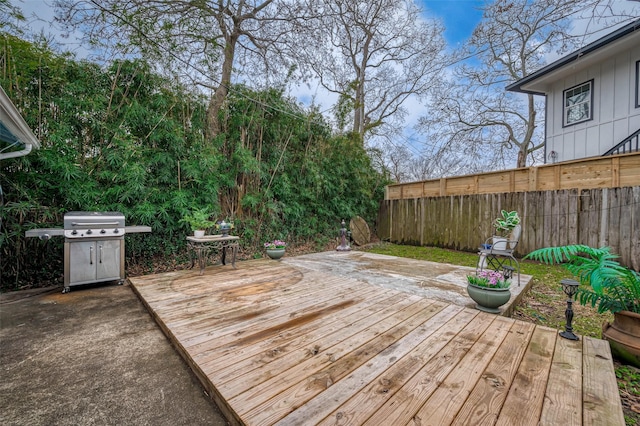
279	344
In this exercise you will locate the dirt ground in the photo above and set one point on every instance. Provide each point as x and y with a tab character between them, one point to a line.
92	356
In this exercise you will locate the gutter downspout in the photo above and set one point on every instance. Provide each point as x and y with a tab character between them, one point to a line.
27	149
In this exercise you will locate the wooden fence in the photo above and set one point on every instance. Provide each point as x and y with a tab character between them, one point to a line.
597	217
599	172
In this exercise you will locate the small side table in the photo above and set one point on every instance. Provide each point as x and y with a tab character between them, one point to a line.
201	246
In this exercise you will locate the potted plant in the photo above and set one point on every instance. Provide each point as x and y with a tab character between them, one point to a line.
489	289
504	226
199	221
608	286
275	249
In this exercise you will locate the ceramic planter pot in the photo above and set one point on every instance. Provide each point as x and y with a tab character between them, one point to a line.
499	243
624	337
488	299
199	233
276	253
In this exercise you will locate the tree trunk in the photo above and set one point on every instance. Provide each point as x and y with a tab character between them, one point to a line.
531	126
358	113
217	101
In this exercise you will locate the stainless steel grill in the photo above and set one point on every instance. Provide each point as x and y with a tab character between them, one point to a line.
93	246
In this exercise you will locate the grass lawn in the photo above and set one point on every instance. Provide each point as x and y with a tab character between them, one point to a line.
544	304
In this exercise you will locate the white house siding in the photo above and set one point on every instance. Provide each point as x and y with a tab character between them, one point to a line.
615	115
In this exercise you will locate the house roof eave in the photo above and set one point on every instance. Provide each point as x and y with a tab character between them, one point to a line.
534	82
20	132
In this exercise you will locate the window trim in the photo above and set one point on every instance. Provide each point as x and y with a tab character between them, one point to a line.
564	104
637	84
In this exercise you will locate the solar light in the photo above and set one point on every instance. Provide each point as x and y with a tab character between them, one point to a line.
507	272
570	287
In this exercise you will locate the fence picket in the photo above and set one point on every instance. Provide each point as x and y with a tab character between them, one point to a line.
548	218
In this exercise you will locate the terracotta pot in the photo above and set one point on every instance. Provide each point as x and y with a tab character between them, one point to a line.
488	299
624	337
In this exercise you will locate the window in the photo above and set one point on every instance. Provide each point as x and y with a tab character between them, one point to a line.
577	103
637	84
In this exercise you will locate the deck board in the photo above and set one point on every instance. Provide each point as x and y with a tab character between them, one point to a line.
527	391
443	406
563	402
487	398
601	400
278	343
304	380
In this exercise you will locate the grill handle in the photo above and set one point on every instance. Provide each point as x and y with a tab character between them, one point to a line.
94	223
91	255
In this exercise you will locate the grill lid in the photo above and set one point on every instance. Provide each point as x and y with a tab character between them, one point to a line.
73	220
93	224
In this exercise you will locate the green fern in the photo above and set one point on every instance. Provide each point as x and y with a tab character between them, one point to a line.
611	286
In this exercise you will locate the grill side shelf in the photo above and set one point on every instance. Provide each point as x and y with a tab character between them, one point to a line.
44	233
136	229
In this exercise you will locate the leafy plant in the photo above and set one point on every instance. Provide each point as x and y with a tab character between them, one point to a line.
611	286
505	224
198	219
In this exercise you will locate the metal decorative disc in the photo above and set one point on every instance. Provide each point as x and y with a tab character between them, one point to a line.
360	231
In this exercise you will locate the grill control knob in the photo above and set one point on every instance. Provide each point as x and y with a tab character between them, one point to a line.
89	232
115	231
74	232
103	231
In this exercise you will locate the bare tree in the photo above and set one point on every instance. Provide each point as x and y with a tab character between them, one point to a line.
471	114
373	54
11	17
201	40
398	163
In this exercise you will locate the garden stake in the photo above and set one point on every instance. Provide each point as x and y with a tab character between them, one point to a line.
344	242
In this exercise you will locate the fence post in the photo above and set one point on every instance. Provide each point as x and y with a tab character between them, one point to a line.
615	172
604	218
533	178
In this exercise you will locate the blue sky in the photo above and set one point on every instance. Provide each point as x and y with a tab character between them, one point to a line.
459	16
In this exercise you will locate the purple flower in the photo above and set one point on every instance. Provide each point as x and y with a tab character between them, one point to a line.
275	244
489	279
